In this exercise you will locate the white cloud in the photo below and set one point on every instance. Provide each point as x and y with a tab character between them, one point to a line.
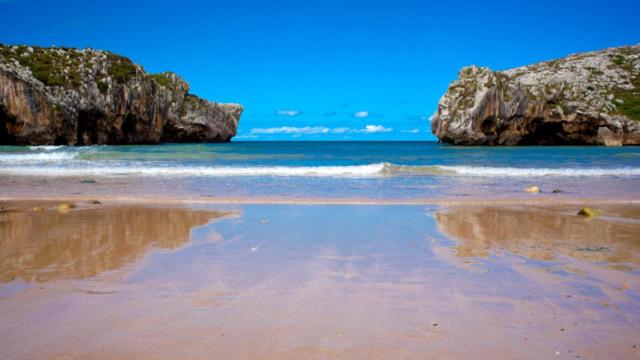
341	130
418	117
370	129
412	131
307	130
361	114
315	130
288	112
241	136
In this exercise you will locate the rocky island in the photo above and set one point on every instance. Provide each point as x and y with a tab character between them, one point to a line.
584	99
65	96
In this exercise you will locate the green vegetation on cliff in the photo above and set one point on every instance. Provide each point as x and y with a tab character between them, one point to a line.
52	68
162	79
59	66
630	105
121	69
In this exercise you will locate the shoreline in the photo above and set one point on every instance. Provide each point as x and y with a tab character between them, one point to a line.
117	199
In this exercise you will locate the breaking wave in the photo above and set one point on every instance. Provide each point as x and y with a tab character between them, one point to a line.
36	157
83	168
491	171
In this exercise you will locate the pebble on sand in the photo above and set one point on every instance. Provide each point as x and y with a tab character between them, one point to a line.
589	212
532	189
65	207
94	202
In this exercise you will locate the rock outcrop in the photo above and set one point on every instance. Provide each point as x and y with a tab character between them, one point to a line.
584	99
84	97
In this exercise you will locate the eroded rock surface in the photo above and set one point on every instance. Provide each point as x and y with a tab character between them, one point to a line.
584	99
83	97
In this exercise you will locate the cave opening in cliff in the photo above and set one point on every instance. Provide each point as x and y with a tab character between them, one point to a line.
87	128
132	130
61	140
545	133
488	126
5	120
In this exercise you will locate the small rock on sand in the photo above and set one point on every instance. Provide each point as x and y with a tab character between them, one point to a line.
37	208
65	207
532	189
94	202
589	212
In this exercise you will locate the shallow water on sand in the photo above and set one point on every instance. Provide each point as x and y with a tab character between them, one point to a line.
371	170
336	282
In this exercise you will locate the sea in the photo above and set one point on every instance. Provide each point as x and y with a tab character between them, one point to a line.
381	171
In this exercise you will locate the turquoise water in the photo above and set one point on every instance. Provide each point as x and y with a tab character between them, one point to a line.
324	169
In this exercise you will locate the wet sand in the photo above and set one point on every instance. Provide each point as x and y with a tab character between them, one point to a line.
240	281
383	189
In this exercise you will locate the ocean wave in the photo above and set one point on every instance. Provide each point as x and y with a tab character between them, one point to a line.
206	171
370	170
540	172
494	171
46	147
36	156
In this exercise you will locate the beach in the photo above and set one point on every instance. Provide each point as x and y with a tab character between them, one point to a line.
303	180
286	252
258	281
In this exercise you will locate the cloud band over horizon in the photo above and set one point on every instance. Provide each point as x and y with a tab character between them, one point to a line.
314	130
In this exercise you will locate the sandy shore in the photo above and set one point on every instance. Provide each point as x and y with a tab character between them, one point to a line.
147	278
528	199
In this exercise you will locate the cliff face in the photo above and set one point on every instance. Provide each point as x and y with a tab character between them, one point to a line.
84	97
584	99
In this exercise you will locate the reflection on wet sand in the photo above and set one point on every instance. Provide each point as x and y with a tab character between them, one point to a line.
544	233
321	282
46	245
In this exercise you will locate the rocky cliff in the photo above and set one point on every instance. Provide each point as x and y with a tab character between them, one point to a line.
84	97
584	99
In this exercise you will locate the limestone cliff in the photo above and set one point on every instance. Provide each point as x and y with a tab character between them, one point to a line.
85	97
584	99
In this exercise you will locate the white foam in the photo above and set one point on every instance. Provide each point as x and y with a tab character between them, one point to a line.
46	147
487	171
36	156
187	171
85	168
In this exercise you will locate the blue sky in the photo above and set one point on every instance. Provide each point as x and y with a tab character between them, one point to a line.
323	70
